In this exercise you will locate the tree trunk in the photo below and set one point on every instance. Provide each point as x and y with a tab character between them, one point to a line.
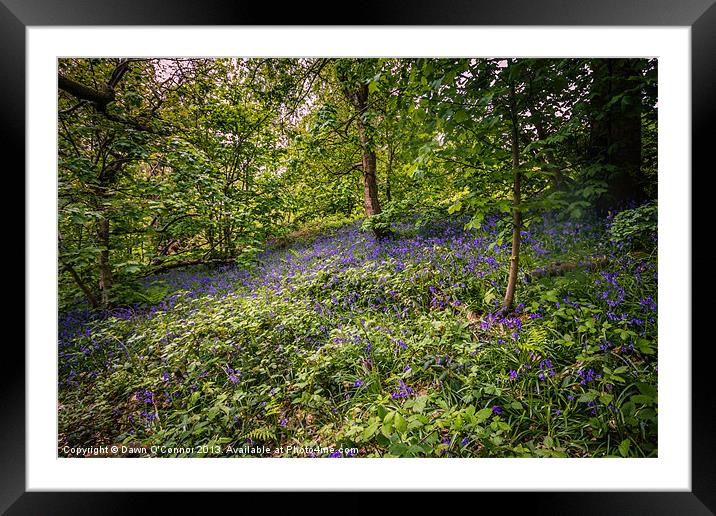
85	289
105	270
370	184
615	132
388	172
516	200
69	268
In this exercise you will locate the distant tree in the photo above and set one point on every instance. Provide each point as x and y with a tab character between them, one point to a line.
353	76
102	130
615	129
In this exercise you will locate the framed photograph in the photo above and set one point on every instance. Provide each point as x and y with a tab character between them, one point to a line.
413	243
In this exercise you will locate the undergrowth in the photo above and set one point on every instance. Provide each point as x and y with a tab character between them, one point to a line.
395	347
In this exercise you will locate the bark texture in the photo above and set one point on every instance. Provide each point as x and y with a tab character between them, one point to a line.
370	183
516	200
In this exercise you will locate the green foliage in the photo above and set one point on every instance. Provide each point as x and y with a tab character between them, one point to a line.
317	333
132	292
394	361
203	158
248	255
382	222
636	227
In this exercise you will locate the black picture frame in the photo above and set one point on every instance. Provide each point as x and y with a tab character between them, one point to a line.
700	15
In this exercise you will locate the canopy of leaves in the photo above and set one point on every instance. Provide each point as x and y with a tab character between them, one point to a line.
214	247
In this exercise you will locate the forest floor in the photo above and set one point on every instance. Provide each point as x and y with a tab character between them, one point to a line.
342	345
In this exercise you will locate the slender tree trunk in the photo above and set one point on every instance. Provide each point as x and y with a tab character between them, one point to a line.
105	269
370	184
388	172
516	200
227	236
85	289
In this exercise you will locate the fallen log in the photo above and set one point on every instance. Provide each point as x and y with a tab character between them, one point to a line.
559	268
188	263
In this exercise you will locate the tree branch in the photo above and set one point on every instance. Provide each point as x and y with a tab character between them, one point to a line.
99	97
176	219
174	265
87	292
118	73
351	168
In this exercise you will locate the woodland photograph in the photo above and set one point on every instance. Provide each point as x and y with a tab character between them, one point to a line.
357	257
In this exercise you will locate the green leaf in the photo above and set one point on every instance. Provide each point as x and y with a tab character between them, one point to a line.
455	207
645	347
606	399
489	296
399	449
550	295
386	428
400	424
415	423
485	100
461	116
647	389
586	397
370	430
483	414
419	404
643	399
388	424
624	447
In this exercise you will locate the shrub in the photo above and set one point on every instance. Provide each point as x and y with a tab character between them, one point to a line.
635	228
